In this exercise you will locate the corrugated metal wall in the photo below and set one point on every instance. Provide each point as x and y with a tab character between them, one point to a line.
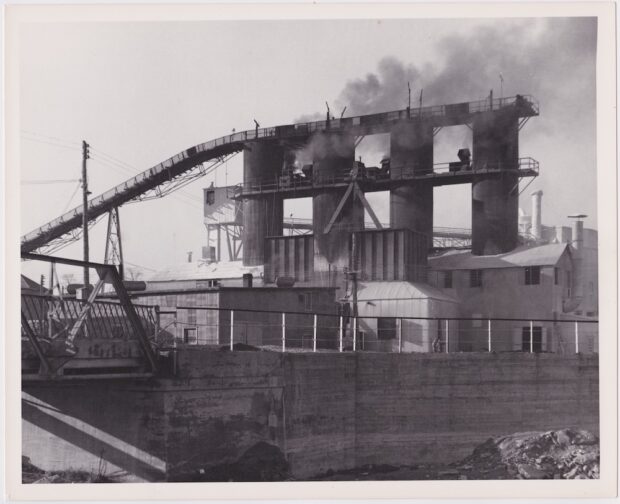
291	256
391	254
205	322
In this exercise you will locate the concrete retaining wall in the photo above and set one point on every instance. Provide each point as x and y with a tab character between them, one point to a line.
324	411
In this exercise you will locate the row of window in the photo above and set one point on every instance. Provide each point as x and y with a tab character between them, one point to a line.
531	273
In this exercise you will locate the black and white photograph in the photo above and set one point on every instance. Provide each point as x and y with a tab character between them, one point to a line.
311	248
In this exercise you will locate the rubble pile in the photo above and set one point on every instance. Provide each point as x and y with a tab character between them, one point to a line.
561	454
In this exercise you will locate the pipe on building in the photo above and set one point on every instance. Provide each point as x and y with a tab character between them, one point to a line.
495	197
536	214
262	215
577	288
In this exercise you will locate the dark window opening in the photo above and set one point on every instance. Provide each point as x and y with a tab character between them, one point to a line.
532	275
447	280
191	317
210	197
309	301
475	278
556	276
190	336
536	332
386	328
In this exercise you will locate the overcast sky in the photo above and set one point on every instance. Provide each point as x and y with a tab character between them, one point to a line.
142	92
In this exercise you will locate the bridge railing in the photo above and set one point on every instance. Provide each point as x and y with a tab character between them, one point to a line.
52	317
69	325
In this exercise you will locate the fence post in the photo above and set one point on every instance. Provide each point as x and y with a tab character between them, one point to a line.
354	333
489	335
157	323
447	336
576	337
531	336
314	334
340	345
176	328
232	328
400	335
284	332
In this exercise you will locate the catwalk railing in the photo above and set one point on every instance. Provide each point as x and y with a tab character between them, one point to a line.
442	173
293	331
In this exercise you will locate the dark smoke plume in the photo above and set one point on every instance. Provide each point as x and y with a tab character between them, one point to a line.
532	59
552	59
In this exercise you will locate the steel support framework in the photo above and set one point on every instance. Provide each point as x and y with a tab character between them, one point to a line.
107	274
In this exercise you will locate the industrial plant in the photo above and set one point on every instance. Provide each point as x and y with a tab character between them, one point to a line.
343	289
509	265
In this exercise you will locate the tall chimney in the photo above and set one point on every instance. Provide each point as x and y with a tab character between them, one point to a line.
577	290
536	214
563	234
577	231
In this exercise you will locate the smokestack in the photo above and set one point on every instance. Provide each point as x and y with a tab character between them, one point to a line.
536	214
577	291
189	257
577	232
563	234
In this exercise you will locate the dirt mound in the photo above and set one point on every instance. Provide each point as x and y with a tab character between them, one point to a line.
261	462
243	347
562	454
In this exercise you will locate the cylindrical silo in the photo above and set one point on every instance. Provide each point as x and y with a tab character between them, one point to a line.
495	197
262	215
411	152
333	157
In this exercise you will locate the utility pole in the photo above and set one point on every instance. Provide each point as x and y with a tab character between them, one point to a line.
85	193
409	101
501	88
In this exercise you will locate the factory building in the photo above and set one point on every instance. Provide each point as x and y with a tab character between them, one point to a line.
387	328
515	267
202	316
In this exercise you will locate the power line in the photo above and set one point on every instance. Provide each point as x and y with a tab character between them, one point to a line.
54	144
72	196
183	198
103	157
130	170
53	138
139	266
64	181
134	171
